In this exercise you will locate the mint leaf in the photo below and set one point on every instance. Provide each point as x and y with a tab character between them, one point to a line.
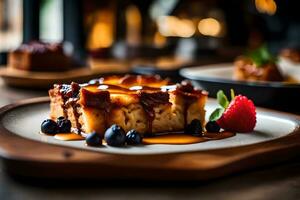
216	114
222	99
261	56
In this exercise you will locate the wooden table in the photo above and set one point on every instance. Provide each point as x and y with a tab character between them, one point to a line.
273	182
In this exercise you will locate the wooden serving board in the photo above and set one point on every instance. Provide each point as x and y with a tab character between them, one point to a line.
29	158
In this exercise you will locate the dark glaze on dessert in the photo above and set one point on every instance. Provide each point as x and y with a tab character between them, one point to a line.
70	96
97	94
149	100
189	94
115	89
41	47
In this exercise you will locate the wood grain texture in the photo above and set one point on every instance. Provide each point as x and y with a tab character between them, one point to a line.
26	157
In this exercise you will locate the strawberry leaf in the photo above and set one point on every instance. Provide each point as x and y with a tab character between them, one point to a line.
216	114
232	94
222	99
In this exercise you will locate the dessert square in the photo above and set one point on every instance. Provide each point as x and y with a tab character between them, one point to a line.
39	56
147	104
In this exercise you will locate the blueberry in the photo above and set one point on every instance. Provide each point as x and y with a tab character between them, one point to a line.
60	118
64	125
115	136
212	126
194	128
133	137
49	126
93	139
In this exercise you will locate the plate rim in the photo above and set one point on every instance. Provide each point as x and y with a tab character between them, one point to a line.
245	157
184	72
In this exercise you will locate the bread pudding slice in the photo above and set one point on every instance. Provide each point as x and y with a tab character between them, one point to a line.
147	104
40	56
257	65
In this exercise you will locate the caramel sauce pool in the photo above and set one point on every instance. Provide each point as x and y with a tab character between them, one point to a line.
68	136
172	138
180	138
65	136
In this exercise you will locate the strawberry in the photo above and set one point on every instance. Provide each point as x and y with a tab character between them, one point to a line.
239	115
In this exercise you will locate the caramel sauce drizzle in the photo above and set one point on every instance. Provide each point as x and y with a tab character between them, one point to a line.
70	95
68	136
181	138
189	96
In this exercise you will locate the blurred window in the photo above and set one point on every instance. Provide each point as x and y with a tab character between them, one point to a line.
10	24
51	20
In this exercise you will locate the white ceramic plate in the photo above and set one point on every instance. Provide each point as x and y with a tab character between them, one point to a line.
288	63
224	72
25	121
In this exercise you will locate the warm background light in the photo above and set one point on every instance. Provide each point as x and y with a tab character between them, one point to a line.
101	36
173	26
102	31
209	27
159	40
133	25
266	6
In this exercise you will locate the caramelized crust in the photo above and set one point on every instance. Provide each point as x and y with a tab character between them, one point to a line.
246	70
148	104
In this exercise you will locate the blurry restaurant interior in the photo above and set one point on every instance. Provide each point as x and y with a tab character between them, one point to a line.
163	37
163	33
150	36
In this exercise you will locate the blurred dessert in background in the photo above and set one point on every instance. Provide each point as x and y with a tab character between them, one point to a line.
258	65
291	54
40	56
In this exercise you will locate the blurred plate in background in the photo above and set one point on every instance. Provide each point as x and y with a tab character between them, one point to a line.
45	80
278	95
